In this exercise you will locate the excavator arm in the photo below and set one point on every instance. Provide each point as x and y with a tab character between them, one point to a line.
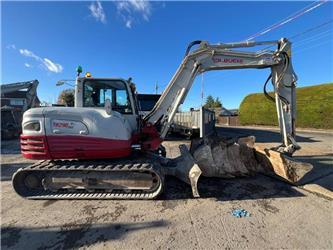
224	56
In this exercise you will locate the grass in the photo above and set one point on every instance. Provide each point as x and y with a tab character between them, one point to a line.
314	108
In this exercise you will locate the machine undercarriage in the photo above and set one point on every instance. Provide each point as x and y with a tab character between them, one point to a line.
98	179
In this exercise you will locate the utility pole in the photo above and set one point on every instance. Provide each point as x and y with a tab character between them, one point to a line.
202	89
156	87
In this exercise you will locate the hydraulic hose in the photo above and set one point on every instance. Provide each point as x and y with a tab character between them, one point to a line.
196	42
265	91
287	61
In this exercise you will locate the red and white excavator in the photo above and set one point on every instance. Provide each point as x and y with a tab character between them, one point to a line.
102	148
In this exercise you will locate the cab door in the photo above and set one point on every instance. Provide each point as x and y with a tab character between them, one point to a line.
97	90
125	103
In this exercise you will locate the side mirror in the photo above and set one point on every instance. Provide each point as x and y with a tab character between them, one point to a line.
108	106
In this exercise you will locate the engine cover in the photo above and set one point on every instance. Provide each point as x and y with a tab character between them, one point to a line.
74	133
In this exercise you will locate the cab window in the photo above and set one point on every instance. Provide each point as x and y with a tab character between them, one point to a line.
97	91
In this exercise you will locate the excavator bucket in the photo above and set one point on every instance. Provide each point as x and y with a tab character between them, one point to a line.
282	165
229	158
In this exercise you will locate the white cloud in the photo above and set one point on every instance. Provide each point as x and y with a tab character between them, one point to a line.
11	46
51	66
129	9
45	62
97	11
129	24
29	53
28	65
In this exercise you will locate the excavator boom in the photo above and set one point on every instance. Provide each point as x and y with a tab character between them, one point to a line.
219	57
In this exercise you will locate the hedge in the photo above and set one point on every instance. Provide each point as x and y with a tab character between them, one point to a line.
314	106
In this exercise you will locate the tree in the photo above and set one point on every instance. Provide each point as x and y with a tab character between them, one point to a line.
212	103
66	97
209	102
217	103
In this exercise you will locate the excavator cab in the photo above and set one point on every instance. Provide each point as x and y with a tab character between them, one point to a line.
93	92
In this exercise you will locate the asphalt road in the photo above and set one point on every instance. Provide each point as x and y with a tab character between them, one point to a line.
282	216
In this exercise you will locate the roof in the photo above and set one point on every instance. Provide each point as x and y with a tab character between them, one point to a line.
15	94
227	112
234	111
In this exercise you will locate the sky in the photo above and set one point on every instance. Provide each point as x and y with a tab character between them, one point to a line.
147	41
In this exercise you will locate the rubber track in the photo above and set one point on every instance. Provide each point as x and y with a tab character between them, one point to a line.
70	165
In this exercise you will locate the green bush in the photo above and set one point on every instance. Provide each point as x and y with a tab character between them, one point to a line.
314	107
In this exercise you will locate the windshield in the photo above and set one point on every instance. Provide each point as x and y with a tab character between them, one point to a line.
97	91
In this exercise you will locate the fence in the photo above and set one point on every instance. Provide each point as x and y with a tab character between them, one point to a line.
228	120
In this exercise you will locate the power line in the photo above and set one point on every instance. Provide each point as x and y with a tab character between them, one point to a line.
202	88
312	36
312	39
305	32
156	88
288	19
311	47
213	76
312	29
